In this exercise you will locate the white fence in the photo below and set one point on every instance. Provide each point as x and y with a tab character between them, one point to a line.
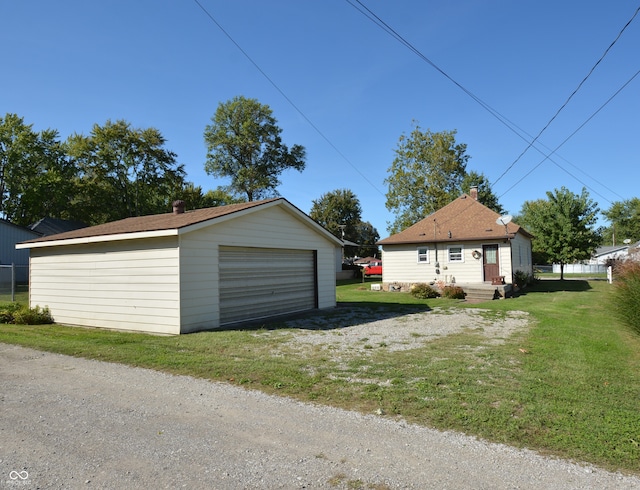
581	268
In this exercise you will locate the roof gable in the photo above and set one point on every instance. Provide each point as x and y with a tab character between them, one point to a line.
464	219
168	224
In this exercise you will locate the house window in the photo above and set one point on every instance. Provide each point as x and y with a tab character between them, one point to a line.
423	255
455	254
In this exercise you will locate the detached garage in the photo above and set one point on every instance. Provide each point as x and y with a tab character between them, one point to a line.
182	272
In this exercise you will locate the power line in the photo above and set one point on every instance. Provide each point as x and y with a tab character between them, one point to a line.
548	157
364	10
568	99
284	95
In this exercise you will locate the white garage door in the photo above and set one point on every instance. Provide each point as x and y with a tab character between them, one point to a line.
262	282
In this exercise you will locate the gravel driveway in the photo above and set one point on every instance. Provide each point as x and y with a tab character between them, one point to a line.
77	423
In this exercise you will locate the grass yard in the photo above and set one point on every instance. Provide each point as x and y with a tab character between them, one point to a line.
568	386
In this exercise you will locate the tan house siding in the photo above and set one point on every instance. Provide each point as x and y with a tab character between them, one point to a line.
401	263
122	285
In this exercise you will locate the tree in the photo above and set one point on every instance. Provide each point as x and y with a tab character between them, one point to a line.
625	221
485	194
244	144
194	198
124	172
36	178
340	210
426	174
562	226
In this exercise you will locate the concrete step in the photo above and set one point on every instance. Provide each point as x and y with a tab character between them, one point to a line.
480	294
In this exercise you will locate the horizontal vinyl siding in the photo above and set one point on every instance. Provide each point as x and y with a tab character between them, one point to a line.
400	263
522	260
130	285
269	228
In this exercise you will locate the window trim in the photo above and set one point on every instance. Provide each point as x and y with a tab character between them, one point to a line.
425	254
461	261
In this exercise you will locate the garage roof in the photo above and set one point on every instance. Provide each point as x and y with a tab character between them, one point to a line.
167	224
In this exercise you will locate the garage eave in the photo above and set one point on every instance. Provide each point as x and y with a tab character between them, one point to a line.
98	239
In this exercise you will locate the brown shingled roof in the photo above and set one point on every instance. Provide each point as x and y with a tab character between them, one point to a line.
466	219
155	222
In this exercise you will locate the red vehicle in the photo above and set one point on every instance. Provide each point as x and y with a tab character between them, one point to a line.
373	269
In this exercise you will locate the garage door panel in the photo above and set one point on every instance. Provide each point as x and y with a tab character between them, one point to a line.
258	283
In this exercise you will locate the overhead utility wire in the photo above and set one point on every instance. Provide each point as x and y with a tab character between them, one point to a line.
275	85
369	14
567	139
364	10
568	99
505	121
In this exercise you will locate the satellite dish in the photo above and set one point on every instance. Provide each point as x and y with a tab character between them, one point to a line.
626	241
503	220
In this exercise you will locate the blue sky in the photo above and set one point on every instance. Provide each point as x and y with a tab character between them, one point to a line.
166	64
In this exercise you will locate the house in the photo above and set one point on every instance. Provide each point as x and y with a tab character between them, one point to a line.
186	271
11	234
462	243
52	226
603	255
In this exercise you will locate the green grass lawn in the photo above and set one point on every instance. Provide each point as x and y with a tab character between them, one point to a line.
568	386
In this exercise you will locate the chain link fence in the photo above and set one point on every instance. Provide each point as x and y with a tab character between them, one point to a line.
12	277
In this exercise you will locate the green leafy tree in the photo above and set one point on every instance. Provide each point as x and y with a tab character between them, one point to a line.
624	217
485	194
244	144
563	226
195	198
124	172
426	174
340	211
36	178
367	236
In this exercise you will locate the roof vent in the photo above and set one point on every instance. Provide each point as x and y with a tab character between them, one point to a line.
178	207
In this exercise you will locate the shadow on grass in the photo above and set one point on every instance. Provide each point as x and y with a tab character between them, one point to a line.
344	315
557	285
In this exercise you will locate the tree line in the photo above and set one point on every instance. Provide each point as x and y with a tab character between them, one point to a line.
119	171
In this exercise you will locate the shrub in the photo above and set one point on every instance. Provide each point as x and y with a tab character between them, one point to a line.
7	312
626	294
23	315
522	278
423	291
453	292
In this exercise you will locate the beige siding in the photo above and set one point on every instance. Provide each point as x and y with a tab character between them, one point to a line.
522	260
129	285
268	228
400	263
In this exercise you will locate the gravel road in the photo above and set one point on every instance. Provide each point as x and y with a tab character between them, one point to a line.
76	423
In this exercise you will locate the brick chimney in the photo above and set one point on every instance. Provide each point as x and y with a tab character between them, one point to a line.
473	192
178	207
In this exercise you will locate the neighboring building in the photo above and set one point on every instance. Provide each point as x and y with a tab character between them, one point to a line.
461	243
53	226
186	271
11	234
606	253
